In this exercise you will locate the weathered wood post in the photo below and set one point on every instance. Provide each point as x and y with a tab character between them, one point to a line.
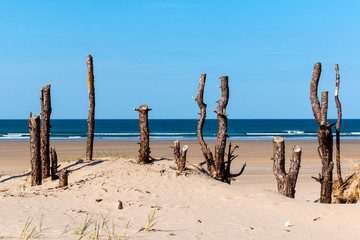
325	137
45	131
337	126
54	164
217	167
144	152
286	183
63	177
91	120
180	155
34	129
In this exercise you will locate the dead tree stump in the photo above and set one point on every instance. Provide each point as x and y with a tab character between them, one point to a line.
180	155
285	182
54	165
63	177
217	167
34	129
337	125
91	117
45	131
144	152
325	137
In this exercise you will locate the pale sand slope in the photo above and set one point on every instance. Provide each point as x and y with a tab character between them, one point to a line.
190	207
250	208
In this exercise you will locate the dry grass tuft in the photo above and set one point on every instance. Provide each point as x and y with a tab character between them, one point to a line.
349	191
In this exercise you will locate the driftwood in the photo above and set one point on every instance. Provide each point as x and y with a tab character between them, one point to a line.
54	165
325	137
217	167
63	177
286	182
337	125
34	129
91	117
45	131
144	152
180	155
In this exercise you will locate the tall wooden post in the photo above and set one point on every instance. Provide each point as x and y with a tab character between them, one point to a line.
45	130
91	120
144	152
35	160
54	164
337	126
325	137
286	183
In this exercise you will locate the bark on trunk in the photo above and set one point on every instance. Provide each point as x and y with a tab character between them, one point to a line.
180	155
34	129
144	152
63	177
337	126
325	138
222	131
286	183
45	131
91	118
54	164
209	159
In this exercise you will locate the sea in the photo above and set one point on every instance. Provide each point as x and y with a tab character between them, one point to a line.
182	129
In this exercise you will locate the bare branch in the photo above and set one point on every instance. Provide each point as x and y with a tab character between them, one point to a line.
314	91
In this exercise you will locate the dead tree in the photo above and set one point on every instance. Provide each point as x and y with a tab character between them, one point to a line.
286	182
337	125
63	177
45	131
217	167
54	165
180	155
144	152
34	129
91	117
325	137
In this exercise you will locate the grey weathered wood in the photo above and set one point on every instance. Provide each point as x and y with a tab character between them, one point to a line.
35	160
337	126
286	182
45	100
54	164
144	152
180	155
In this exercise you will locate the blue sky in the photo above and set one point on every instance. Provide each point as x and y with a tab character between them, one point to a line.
153	52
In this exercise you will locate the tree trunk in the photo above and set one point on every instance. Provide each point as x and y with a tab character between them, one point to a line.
325	138
286	183
34	129
63	177
91	118
201	121
45	131
180	155
337	126
144	152
222	131
54	164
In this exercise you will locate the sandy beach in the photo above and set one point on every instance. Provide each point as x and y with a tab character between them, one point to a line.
189	206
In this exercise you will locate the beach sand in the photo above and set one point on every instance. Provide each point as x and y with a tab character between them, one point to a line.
191	206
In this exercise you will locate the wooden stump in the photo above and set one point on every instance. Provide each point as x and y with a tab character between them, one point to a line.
144	152
91	117
34	129
286	183
45	131
325	137
54	164
63	177
180	155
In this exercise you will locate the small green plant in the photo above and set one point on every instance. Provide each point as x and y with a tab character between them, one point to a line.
111	232
82	229
28	231
151	221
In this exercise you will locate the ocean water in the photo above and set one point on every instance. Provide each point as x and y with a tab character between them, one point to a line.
182	129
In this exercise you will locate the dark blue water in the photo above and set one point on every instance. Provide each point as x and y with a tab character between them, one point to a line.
170	129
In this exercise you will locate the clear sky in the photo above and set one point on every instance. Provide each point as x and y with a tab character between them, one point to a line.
153	52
